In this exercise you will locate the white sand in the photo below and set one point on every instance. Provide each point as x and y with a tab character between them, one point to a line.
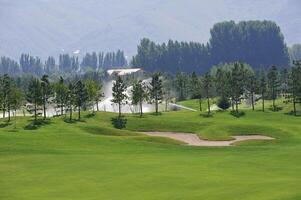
194	140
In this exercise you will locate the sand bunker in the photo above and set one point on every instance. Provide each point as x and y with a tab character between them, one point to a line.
194	140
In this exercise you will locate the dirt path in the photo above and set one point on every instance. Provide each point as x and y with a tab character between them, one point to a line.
194	140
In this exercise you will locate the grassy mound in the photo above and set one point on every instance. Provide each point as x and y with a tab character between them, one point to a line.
93	160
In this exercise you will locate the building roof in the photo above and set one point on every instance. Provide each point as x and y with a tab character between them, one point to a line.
122	72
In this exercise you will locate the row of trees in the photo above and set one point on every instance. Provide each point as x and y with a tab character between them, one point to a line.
67	63
254	42
63	95
235	82
141	92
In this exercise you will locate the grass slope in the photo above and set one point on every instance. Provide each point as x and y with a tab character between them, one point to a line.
93	160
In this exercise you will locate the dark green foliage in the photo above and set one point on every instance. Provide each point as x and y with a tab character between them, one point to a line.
223	103
273	84
119	122
34	95
182	84
46	92
247	42
237	83
61	92
262	86
156	91
293	93
173	56
229	42
118	92
251	87
139	94
207	85
81	96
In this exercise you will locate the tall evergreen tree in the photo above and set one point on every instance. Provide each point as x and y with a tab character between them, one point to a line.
60	94
273	84
262	86
46	92
293	94
139	94
34	94
81	96
207	85
237	83
156	91
119	95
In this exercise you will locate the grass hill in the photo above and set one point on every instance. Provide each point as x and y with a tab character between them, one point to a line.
93	160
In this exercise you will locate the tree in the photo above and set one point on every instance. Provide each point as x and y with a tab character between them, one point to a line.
46	92
251	86
222	82
139	94
34	94
262	86
156	90
99	94
5	91
92	92
60	94
207	84
237	83
294	86
273	84
15	101
181	85
118	92
70	99
81	96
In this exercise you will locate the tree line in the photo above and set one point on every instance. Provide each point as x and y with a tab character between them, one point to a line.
230	84
234	82
66	63
258	43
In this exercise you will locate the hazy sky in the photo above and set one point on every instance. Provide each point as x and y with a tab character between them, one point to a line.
43	27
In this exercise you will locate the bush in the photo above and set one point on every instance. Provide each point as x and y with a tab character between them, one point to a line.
119	122
223	103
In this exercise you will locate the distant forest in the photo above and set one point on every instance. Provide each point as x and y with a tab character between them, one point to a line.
66	63
260	44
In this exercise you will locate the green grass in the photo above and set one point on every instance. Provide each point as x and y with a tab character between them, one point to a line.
93	160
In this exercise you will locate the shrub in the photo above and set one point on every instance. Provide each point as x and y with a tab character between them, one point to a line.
223	103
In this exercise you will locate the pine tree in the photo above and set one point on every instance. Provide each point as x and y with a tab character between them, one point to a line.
34	94
119	96
139	94
293	94
15	101
251	86
207	85
262	86
70	99
46	92
60	94
237	83
92	92
81	96
273	84
156	90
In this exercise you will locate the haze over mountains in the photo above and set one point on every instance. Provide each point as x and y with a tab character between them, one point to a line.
51	27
